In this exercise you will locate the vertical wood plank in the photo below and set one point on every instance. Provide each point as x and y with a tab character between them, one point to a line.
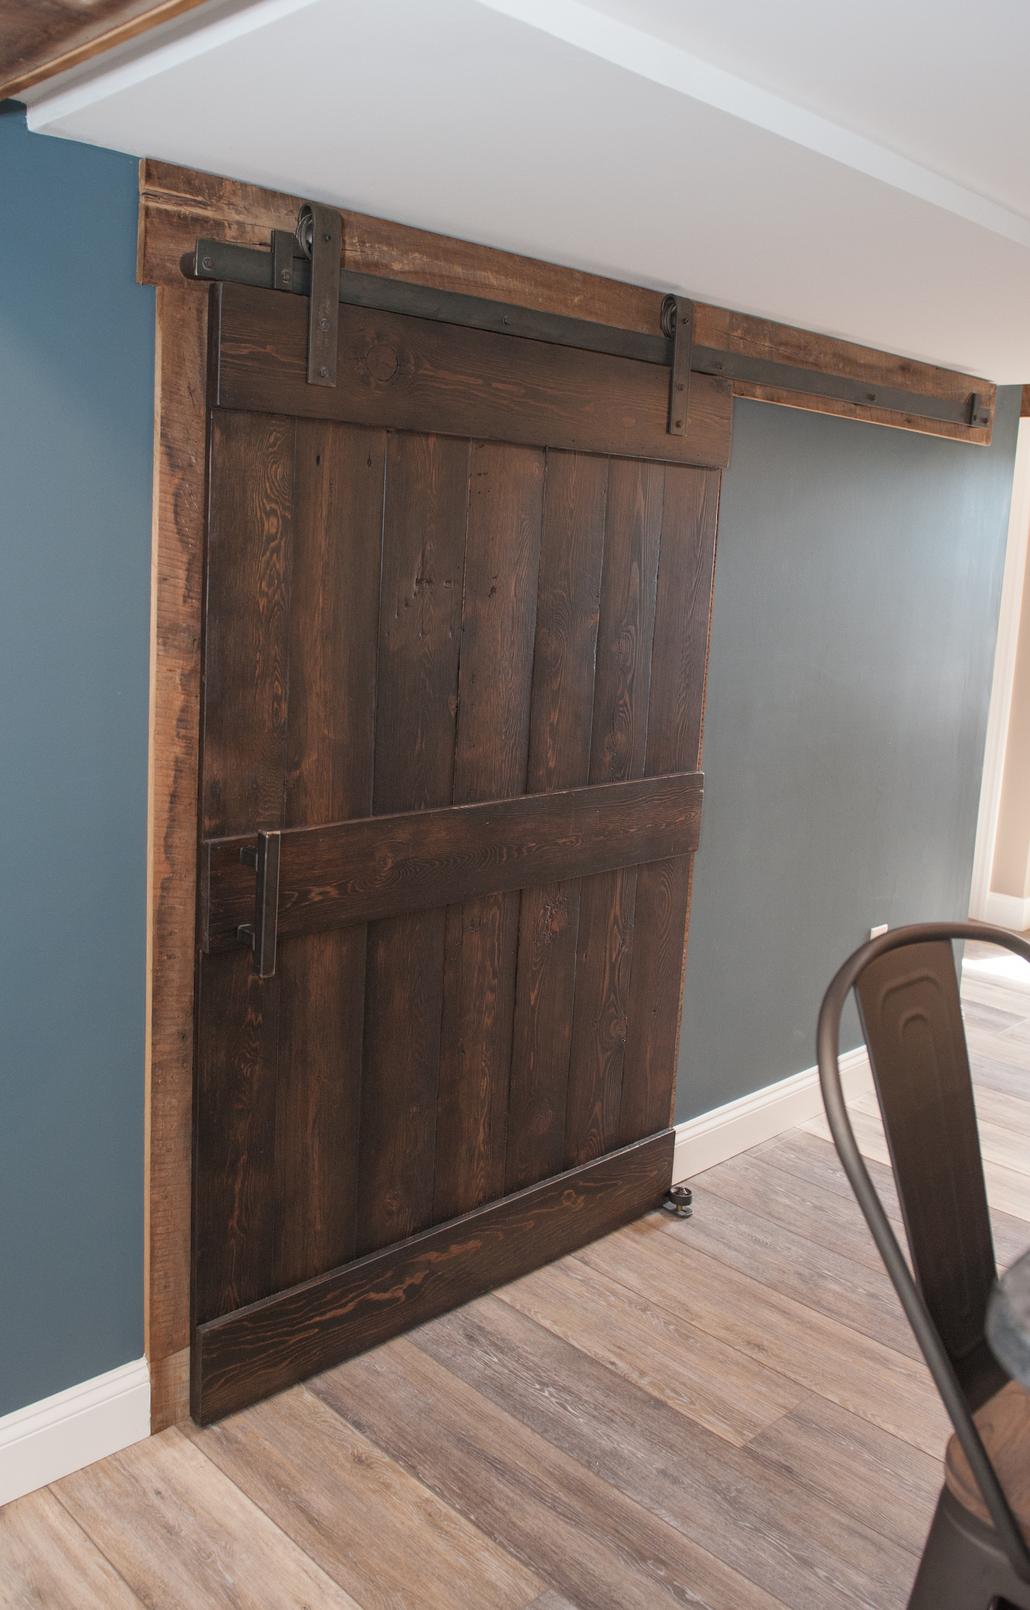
245	655
419	634
618	750
334	607
245	699
180	450
571	554
686	576
494	681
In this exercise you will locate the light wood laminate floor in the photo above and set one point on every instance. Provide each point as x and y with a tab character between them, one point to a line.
727	1411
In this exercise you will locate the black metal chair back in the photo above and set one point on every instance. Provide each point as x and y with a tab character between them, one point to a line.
907	989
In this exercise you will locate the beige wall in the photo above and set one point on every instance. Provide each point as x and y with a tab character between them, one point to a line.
1011	871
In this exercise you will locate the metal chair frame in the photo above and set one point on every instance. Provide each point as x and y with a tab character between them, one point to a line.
954	1533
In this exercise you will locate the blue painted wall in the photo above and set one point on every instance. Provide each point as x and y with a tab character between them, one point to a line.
76	409
856	603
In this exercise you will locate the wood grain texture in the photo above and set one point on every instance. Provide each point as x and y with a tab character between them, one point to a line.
1004	1426
825	1355
44	37
306	1140
615	1429
332	657
416	709
622	682
856	1466
416	374
694	1373
502	558
592	1542
47	1562
675	723
178	205
824	1279
241	1357
307	1470
246	687
176	601
169	1389
371	867
571	556
140	1504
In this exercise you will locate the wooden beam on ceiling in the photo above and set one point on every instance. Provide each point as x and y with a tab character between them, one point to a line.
178	205
37	41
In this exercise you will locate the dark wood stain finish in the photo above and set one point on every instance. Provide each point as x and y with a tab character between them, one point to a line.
414	374
332	677
683	609
376	866
419	636
270	1344
498	629
459	668
572	550
619	735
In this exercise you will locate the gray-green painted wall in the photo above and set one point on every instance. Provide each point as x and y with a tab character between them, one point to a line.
856	602
76	411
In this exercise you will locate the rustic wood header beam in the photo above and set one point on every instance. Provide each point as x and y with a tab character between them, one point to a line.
34	47
179	206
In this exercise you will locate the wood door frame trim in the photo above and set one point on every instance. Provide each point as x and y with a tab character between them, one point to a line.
176	206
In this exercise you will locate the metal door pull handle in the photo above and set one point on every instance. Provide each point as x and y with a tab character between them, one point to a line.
262	935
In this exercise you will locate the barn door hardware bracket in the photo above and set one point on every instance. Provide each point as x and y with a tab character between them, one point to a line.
305	261
308	265
678	325
263	934
320	234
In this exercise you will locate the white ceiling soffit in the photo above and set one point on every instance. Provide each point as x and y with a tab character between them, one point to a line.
832	166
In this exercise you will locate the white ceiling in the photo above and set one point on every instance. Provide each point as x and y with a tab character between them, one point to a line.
862	170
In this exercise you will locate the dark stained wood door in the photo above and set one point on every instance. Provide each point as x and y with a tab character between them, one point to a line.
456	636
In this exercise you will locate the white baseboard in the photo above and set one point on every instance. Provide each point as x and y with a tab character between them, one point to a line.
725	1131
1006	911
50	1439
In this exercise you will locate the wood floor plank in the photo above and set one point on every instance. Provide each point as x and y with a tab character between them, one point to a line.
812	1160
592	1543
839	1286
717	1496
1004	1124
181	1534
1007	1189
1007	984
888	1388
1013	1047
893	1486
693	1373
979	1011
993	1071
48	1563
687	1413
826	1217
370	1525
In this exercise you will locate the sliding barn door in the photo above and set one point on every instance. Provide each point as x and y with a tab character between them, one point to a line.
454	666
